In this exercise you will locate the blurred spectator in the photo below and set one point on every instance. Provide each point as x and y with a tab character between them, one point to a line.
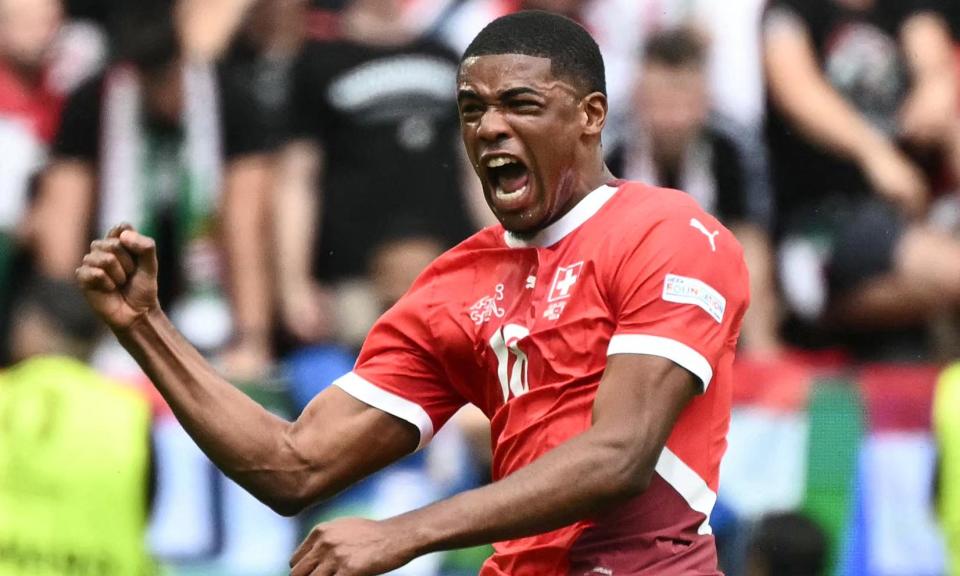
40	60
74	449
946	424
29	112
675	142
854	87
375	140
152	141
787	544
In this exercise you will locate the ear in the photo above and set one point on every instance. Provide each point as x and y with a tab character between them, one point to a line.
594	113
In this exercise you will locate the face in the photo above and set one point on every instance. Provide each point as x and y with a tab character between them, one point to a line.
28	29
526	132
672	103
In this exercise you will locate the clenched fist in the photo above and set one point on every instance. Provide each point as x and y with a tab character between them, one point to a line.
119	276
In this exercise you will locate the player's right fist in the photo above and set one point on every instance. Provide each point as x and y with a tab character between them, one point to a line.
119	276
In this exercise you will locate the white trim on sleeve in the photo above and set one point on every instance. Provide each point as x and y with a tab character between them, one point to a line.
369	393
689	485
667	348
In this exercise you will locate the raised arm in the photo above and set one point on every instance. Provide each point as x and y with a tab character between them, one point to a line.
637	404
801	91
336	441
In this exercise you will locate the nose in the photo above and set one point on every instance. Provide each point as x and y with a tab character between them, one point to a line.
492	126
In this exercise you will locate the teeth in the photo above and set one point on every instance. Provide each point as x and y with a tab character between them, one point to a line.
501	194
500	161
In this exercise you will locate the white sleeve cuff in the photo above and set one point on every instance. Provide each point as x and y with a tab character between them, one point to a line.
677	352
369	393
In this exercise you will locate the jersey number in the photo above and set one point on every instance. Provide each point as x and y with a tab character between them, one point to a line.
505	345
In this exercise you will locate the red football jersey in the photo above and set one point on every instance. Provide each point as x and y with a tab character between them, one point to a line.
522	329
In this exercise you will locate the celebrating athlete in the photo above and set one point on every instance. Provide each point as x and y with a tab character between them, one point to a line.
596	327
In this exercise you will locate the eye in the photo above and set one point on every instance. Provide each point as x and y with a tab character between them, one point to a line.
470	111
525	106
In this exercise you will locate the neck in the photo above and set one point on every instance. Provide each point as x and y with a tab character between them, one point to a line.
586	182
29	76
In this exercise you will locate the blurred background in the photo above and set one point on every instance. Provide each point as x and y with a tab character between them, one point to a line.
299	163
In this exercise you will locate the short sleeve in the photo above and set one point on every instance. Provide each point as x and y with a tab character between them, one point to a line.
399	373
78	136
681	294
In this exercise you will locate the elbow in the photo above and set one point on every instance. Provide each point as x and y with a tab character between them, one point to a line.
629	473
286	506
294	494
297	482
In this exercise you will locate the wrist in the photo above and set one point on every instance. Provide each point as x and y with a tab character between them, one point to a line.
143	324
413	530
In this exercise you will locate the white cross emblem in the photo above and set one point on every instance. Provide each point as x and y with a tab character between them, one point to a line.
710	235
563	281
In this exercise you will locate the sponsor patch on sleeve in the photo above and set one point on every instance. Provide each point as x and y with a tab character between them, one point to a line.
684	290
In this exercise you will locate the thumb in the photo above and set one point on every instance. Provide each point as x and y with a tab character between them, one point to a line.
143	247
119	229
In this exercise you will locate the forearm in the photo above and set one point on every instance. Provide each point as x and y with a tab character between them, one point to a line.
799	89
533	500
61	217
297	212
243	439
246	217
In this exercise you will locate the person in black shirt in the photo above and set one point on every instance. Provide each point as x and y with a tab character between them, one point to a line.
675	142
374	141
856	90
134	145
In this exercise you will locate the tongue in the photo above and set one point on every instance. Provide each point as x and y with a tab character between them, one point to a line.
513	178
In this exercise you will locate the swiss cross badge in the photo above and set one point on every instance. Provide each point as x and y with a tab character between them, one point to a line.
561	289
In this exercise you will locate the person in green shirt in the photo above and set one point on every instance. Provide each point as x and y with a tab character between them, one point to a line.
74	449
946	422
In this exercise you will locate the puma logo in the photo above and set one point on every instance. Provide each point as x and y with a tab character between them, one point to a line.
711	236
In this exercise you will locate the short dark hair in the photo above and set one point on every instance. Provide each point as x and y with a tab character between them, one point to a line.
676	47
63	305
790	544
573	53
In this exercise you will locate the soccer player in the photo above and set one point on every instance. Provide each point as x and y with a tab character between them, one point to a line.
596	327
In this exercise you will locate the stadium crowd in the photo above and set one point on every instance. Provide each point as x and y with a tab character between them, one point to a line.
299	164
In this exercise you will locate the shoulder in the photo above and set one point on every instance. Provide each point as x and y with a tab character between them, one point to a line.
649	227
638	209
464	256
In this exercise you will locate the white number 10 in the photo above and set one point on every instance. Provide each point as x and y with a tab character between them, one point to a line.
505	343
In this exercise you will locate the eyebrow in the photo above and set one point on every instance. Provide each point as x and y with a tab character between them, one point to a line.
465	93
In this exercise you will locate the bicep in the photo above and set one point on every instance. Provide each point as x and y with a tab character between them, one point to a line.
639	400
346	440
789	56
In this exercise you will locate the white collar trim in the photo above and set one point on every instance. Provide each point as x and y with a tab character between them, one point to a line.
567	223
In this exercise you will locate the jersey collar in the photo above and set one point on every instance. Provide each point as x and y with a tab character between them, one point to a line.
567	223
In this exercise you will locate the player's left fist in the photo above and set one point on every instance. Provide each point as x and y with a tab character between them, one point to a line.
351	547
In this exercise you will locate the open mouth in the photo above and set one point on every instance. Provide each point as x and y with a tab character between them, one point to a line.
508	178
